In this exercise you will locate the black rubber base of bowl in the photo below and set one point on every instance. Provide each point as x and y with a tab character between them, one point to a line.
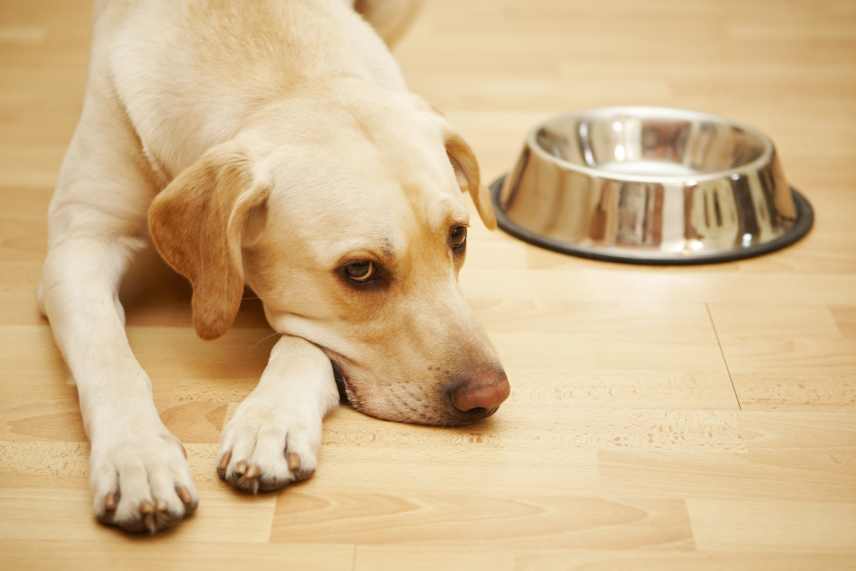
804	223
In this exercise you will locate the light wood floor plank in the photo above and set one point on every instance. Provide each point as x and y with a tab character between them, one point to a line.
786	526
825	475
187	556
394	558
447	518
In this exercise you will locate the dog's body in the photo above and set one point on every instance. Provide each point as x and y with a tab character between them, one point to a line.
271	144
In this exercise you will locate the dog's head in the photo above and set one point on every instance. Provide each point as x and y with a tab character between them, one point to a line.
349	221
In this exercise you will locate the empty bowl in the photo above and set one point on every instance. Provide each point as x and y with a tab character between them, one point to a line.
650	185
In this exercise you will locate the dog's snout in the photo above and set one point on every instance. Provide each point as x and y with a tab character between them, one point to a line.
481	393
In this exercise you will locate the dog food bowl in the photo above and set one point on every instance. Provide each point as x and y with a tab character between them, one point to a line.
650	185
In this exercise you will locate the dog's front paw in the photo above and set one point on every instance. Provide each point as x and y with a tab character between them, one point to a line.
264	448
142	483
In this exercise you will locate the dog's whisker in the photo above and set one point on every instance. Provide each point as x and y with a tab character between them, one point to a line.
265	338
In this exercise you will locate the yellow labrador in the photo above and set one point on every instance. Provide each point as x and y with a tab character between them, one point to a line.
271	145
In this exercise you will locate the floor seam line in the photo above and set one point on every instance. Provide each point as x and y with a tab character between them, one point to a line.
722	354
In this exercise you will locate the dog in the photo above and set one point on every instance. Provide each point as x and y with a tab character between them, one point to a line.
270	145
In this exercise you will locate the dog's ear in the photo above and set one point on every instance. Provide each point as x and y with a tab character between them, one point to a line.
389	18
469	178
201	222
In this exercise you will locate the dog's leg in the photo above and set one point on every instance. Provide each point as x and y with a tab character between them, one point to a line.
96	227
139	474
274	435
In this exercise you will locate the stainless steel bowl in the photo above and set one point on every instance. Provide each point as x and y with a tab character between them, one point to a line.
650	185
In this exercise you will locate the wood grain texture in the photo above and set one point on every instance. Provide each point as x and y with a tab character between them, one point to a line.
660	418
374	558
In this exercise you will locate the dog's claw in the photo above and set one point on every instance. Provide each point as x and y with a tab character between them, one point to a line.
150	523
252	472
146	507
241	468
297	468
110	502
224	463
147	510
249	478
293	461
187	499
184	495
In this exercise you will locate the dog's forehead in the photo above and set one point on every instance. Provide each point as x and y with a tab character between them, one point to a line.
365	187
372	174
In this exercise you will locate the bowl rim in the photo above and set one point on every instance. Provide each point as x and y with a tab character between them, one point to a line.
651	112
802	226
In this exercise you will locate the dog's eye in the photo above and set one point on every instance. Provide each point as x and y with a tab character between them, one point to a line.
458	238
360	272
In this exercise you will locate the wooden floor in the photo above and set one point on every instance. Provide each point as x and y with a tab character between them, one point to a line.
660	418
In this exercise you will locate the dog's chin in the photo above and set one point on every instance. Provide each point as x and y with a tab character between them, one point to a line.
431	411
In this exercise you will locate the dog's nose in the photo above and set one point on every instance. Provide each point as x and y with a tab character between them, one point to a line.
481	393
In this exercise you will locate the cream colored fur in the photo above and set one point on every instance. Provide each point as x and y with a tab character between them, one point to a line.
258	144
